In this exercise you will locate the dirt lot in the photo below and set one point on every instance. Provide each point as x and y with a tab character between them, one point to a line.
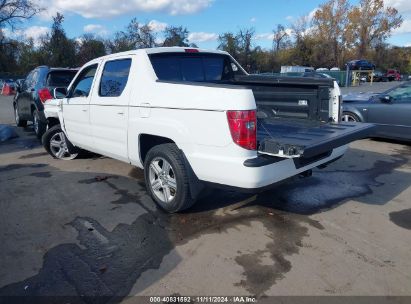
87	227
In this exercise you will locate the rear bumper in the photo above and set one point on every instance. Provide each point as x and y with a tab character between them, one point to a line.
252	174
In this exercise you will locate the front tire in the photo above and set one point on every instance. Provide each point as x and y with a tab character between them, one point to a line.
166	178
57	145
350	117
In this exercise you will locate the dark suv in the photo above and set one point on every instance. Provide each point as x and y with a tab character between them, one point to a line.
36	89
360	65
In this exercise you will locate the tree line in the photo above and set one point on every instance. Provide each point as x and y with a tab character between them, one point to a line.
335	33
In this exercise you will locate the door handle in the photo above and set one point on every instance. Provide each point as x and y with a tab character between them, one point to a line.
120	113
84	110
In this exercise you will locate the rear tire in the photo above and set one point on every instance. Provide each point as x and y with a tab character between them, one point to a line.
19	122
39	126
57	145
167	179
350	117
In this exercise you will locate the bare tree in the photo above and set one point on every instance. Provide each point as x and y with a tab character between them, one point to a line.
229	42
300	27
176	36
140	35
13	11
281	38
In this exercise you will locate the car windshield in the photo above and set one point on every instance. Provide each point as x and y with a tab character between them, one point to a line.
60	78
194	67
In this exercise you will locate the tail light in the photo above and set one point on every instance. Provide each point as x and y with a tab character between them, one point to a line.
44	95
243	128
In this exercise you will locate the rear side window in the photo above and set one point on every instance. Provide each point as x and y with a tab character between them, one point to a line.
193	67
60	78
114	78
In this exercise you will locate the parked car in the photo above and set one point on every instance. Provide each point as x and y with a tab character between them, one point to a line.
35	91
8	87
393	75
360	65
389	111
379	76
189	117
335	69
11	83
316	75
322	69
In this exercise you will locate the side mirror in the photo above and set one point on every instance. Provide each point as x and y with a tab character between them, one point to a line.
59	93
386	98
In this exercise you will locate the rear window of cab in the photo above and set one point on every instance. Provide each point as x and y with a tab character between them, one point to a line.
194	67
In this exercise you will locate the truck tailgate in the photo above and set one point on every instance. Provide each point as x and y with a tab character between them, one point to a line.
291	139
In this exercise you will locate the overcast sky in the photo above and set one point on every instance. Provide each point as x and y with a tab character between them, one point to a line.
205	19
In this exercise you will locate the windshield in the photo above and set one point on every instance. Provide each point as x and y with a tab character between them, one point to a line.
198	67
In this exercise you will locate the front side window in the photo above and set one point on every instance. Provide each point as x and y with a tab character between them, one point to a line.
114	78
82	86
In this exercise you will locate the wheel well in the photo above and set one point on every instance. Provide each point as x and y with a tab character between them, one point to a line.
52	122
358	117
148	141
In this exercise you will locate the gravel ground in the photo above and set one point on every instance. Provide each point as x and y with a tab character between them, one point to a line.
376	87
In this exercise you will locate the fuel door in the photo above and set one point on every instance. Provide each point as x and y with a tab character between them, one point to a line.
145	109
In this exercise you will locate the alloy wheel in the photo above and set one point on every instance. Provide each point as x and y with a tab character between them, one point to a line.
36	123
58	147
162	180
16	115
349	118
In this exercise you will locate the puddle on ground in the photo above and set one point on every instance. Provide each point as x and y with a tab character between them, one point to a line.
41	174
402	218
13	167
33	155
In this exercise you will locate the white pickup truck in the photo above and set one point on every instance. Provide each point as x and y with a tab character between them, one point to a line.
192	118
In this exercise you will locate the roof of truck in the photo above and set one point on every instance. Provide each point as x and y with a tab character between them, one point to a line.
160	50
177	49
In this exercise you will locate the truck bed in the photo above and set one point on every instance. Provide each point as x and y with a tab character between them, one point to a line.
293	115
293	118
